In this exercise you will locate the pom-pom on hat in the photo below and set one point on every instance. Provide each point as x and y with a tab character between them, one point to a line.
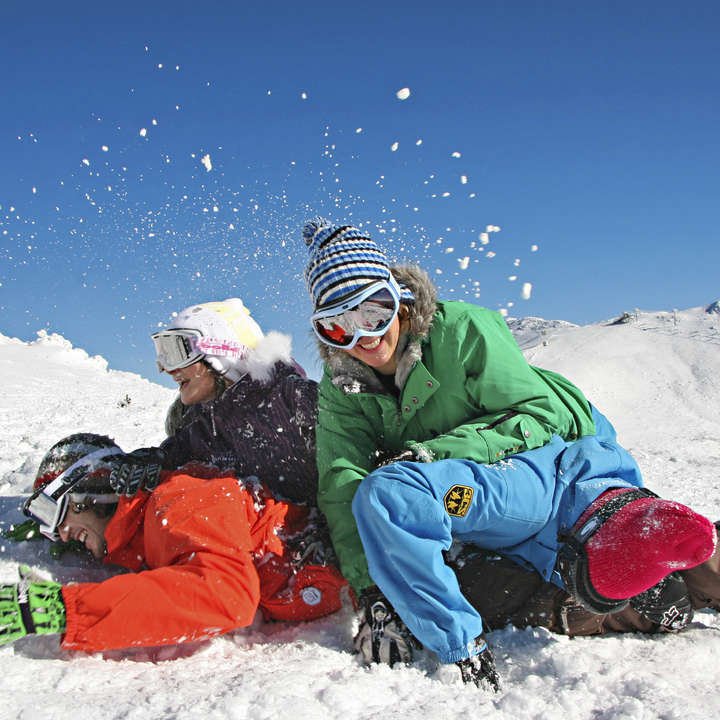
342	261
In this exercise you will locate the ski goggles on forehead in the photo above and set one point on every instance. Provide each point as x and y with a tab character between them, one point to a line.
177	349
367	314
48	504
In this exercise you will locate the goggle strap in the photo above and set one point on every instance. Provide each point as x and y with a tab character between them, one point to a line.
59	481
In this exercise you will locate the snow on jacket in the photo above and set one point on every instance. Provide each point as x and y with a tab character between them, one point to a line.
205	555
463	389
263	425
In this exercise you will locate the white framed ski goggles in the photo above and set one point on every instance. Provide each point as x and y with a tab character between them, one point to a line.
48	505
368	313
177	348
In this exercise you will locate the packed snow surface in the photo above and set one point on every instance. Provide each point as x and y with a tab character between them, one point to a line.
656	375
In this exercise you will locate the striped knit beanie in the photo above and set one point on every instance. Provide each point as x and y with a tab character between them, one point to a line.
343	260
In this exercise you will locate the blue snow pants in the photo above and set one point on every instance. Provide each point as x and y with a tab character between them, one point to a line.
408	513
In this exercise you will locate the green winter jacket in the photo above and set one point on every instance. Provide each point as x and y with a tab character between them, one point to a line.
465	391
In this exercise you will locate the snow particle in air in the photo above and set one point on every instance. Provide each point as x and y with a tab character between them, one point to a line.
533	248
526	291
463	179
358	130
403	94
456	154
463	262
104	148
205	160
143	132
394	146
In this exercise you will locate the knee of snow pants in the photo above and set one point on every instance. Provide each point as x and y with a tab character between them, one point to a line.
408	513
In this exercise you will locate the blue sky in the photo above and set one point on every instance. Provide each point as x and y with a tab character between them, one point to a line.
159	154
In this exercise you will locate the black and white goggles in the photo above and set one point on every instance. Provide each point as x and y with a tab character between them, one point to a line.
48	504
368	313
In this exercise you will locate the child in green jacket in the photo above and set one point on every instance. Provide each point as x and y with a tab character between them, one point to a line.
432	427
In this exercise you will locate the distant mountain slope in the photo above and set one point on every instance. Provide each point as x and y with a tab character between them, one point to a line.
657	377
52	389
532	331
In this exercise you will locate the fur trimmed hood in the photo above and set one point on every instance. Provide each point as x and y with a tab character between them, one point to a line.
354	376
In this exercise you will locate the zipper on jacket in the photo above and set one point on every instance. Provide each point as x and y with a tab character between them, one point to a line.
509	415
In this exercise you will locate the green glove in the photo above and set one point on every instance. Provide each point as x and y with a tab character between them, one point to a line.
28	608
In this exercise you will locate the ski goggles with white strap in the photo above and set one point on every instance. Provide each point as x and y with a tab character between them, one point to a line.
368	313
48	504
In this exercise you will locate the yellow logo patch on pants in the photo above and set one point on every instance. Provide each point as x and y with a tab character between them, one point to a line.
457	500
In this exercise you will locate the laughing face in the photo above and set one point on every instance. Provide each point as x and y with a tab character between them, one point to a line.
85	527
197	383
379	352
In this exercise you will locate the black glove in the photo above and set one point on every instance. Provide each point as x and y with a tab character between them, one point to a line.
137	470
311	545
382	636
480	668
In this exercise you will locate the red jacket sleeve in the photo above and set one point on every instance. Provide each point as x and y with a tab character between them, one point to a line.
198	538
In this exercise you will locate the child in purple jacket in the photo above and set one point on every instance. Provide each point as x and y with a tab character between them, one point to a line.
246	406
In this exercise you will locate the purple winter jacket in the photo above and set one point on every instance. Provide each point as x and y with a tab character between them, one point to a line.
266	429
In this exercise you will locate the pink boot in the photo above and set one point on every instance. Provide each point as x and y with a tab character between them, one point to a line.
626	542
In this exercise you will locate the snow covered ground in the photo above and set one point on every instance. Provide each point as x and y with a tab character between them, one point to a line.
656	376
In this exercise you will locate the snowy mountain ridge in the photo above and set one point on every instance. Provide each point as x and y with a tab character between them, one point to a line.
701	323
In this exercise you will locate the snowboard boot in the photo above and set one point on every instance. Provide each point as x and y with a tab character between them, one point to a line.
667	604
626	542
703	581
